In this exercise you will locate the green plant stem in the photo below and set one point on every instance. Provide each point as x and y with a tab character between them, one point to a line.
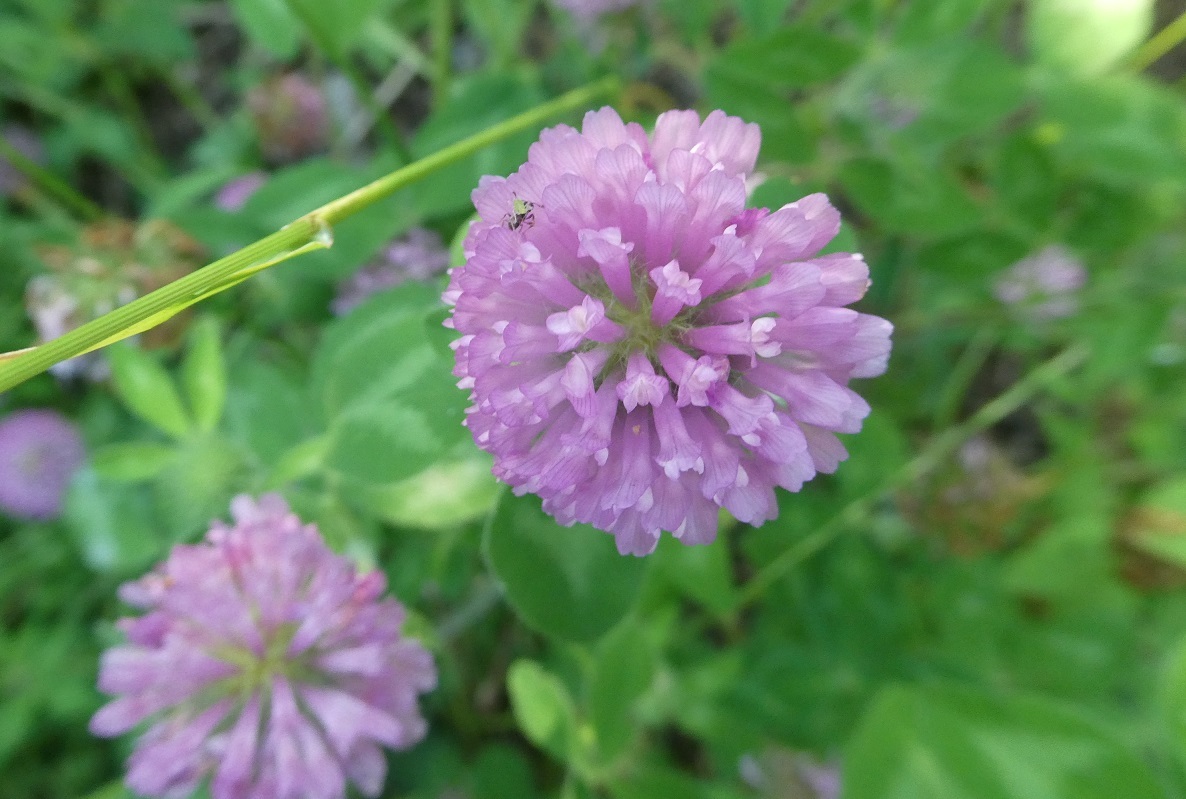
962	374
935	454
361	88
121	91
310	231
49	183
202	112
441	30
382	118
1159	44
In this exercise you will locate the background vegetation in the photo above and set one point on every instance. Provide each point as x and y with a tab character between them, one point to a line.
987	601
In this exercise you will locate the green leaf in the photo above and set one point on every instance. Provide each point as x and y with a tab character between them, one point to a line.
149	30
1159	522
268	410
1026	182
923	98
1122	129
382	443
112	523
543	708
335	26
1086	37
622	672
957	743
132	461
909	201
204	374
971	260
25	53
500	23
569	583
791	58
390	399
378	351
446	494
703	573
270	24
198	484
475	103
762	15
1071	559
880	450
147	390
502	772
1172	695
927	20
301	460
755	79
653	781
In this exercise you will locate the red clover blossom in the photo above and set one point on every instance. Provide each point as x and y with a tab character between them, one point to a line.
640	348
264	662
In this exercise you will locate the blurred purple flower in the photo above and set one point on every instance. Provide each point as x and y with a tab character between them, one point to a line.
823	779
291	115
1045	284
27	144
264	662
55	309
39	452
785	774
587	10
109	264
237	192
418	255
640	348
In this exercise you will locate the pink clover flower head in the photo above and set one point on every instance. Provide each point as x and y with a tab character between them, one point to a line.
641	349
265	663
418	255
291	114
40	450
1045	284
235	194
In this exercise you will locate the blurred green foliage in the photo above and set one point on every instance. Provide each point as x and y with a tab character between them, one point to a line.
1001	612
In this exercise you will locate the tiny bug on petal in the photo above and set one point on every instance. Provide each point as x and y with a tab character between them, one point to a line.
523	212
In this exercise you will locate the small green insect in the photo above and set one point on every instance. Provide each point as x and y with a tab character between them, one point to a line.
523	213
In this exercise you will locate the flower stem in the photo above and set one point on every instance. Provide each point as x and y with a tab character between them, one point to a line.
441	27
937	451
970	362
50	184
311	231
1159	44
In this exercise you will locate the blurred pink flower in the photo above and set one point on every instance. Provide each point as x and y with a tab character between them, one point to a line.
264	662
1045	284
418	255
591	9
233	195
292	116
39	452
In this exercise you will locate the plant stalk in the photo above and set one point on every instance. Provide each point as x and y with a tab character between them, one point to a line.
936	452
311	231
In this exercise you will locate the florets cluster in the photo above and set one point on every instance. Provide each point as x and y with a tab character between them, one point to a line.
1045	285
265	662
641	349
40	450
418	255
